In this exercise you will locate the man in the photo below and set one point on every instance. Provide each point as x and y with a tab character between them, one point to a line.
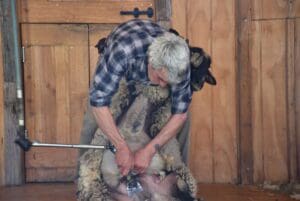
141	52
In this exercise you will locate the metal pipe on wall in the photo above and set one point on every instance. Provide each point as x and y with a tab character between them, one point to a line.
18	70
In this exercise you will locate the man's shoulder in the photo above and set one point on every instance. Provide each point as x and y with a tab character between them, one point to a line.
134	36
135	29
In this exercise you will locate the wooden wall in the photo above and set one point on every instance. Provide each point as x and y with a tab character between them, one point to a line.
297	95
211	25
273	57
246	129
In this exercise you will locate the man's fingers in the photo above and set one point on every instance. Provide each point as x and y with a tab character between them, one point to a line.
125	171
139	169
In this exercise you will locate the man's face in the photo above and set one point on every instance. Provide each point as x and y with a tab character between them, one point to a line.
159	77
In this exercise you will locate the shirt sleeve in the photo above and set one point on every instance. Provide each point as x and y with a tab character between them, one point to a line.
110	70
181	96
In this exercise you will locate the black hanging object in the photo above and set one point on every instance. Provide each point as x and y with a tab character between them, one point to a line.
136	12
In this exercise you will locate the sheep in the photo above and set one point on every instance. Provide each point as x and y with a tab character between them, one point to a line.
99	174
132	127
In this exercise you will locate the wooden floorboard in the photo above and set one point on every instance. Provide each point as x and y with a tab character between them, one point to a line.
67	192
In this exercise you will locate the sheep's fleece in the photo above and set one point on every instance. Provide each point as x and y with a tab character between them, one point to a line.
137	110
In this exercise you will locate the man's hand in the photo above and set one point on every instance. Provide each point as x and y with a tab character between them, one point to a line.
124	159
142	159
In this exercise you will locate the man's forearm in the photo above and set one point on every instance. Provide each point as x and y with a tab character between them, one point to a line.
170	130
107	124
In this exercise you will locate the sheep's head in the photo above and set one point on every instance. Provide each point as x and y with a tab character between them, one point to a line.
200	64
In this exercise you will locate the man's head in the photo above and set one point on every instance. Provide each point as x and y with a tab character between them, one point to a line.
169	58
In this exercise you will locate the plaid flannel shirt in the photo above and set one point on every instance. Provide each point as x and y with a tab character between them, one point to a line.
125	55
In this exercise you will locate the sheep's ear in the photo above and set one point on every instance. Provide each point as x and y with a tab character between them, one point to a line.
196	59
174	32
101	45
210	79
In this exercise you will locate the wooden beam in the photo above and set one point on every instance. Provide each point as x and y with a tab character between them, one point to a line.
291	109
1	108
244	93
45	11
163	12
13	157
297	91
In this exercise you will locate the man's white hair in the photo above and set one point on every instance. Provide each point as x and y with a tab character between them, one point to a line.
172	53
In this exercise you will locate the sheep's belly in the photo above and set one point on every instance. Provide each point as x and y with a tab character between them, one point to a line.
152	185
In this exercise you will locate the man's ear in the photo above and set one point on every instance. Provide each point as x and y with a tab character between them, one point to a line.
210	79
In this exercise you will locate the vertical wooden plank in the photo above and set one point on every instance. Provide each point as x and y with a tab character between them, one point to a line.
224	96
274	105
256	102
269	68
179	16
201	139
297	91
62	95
291	109
244	92
78	59
2	173
56	85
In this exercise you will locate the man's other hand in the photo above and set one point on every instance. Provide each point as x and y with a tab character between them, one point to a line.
142	159
124	159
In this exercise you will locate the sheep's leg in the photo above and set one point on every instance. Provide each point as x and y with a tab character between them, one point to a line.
90	184
186	181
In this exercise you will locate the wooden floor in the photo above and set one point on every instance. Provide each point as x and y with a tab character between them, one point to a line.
66	192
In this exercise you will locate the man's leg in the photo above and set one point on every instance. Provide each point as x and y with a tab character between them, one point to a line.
183	139
88	129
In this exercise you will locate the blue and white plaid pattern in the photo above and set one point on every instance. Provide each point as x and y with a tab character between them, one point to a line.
125	55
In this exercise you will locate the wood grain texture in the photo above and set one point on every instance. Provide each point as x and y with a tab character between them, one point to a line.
291	109
256	99
179	16
275	9
224	95
60	174
245	167
96	11
56	85
273	61
297	92
294	9
269	101
270	9
201	140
